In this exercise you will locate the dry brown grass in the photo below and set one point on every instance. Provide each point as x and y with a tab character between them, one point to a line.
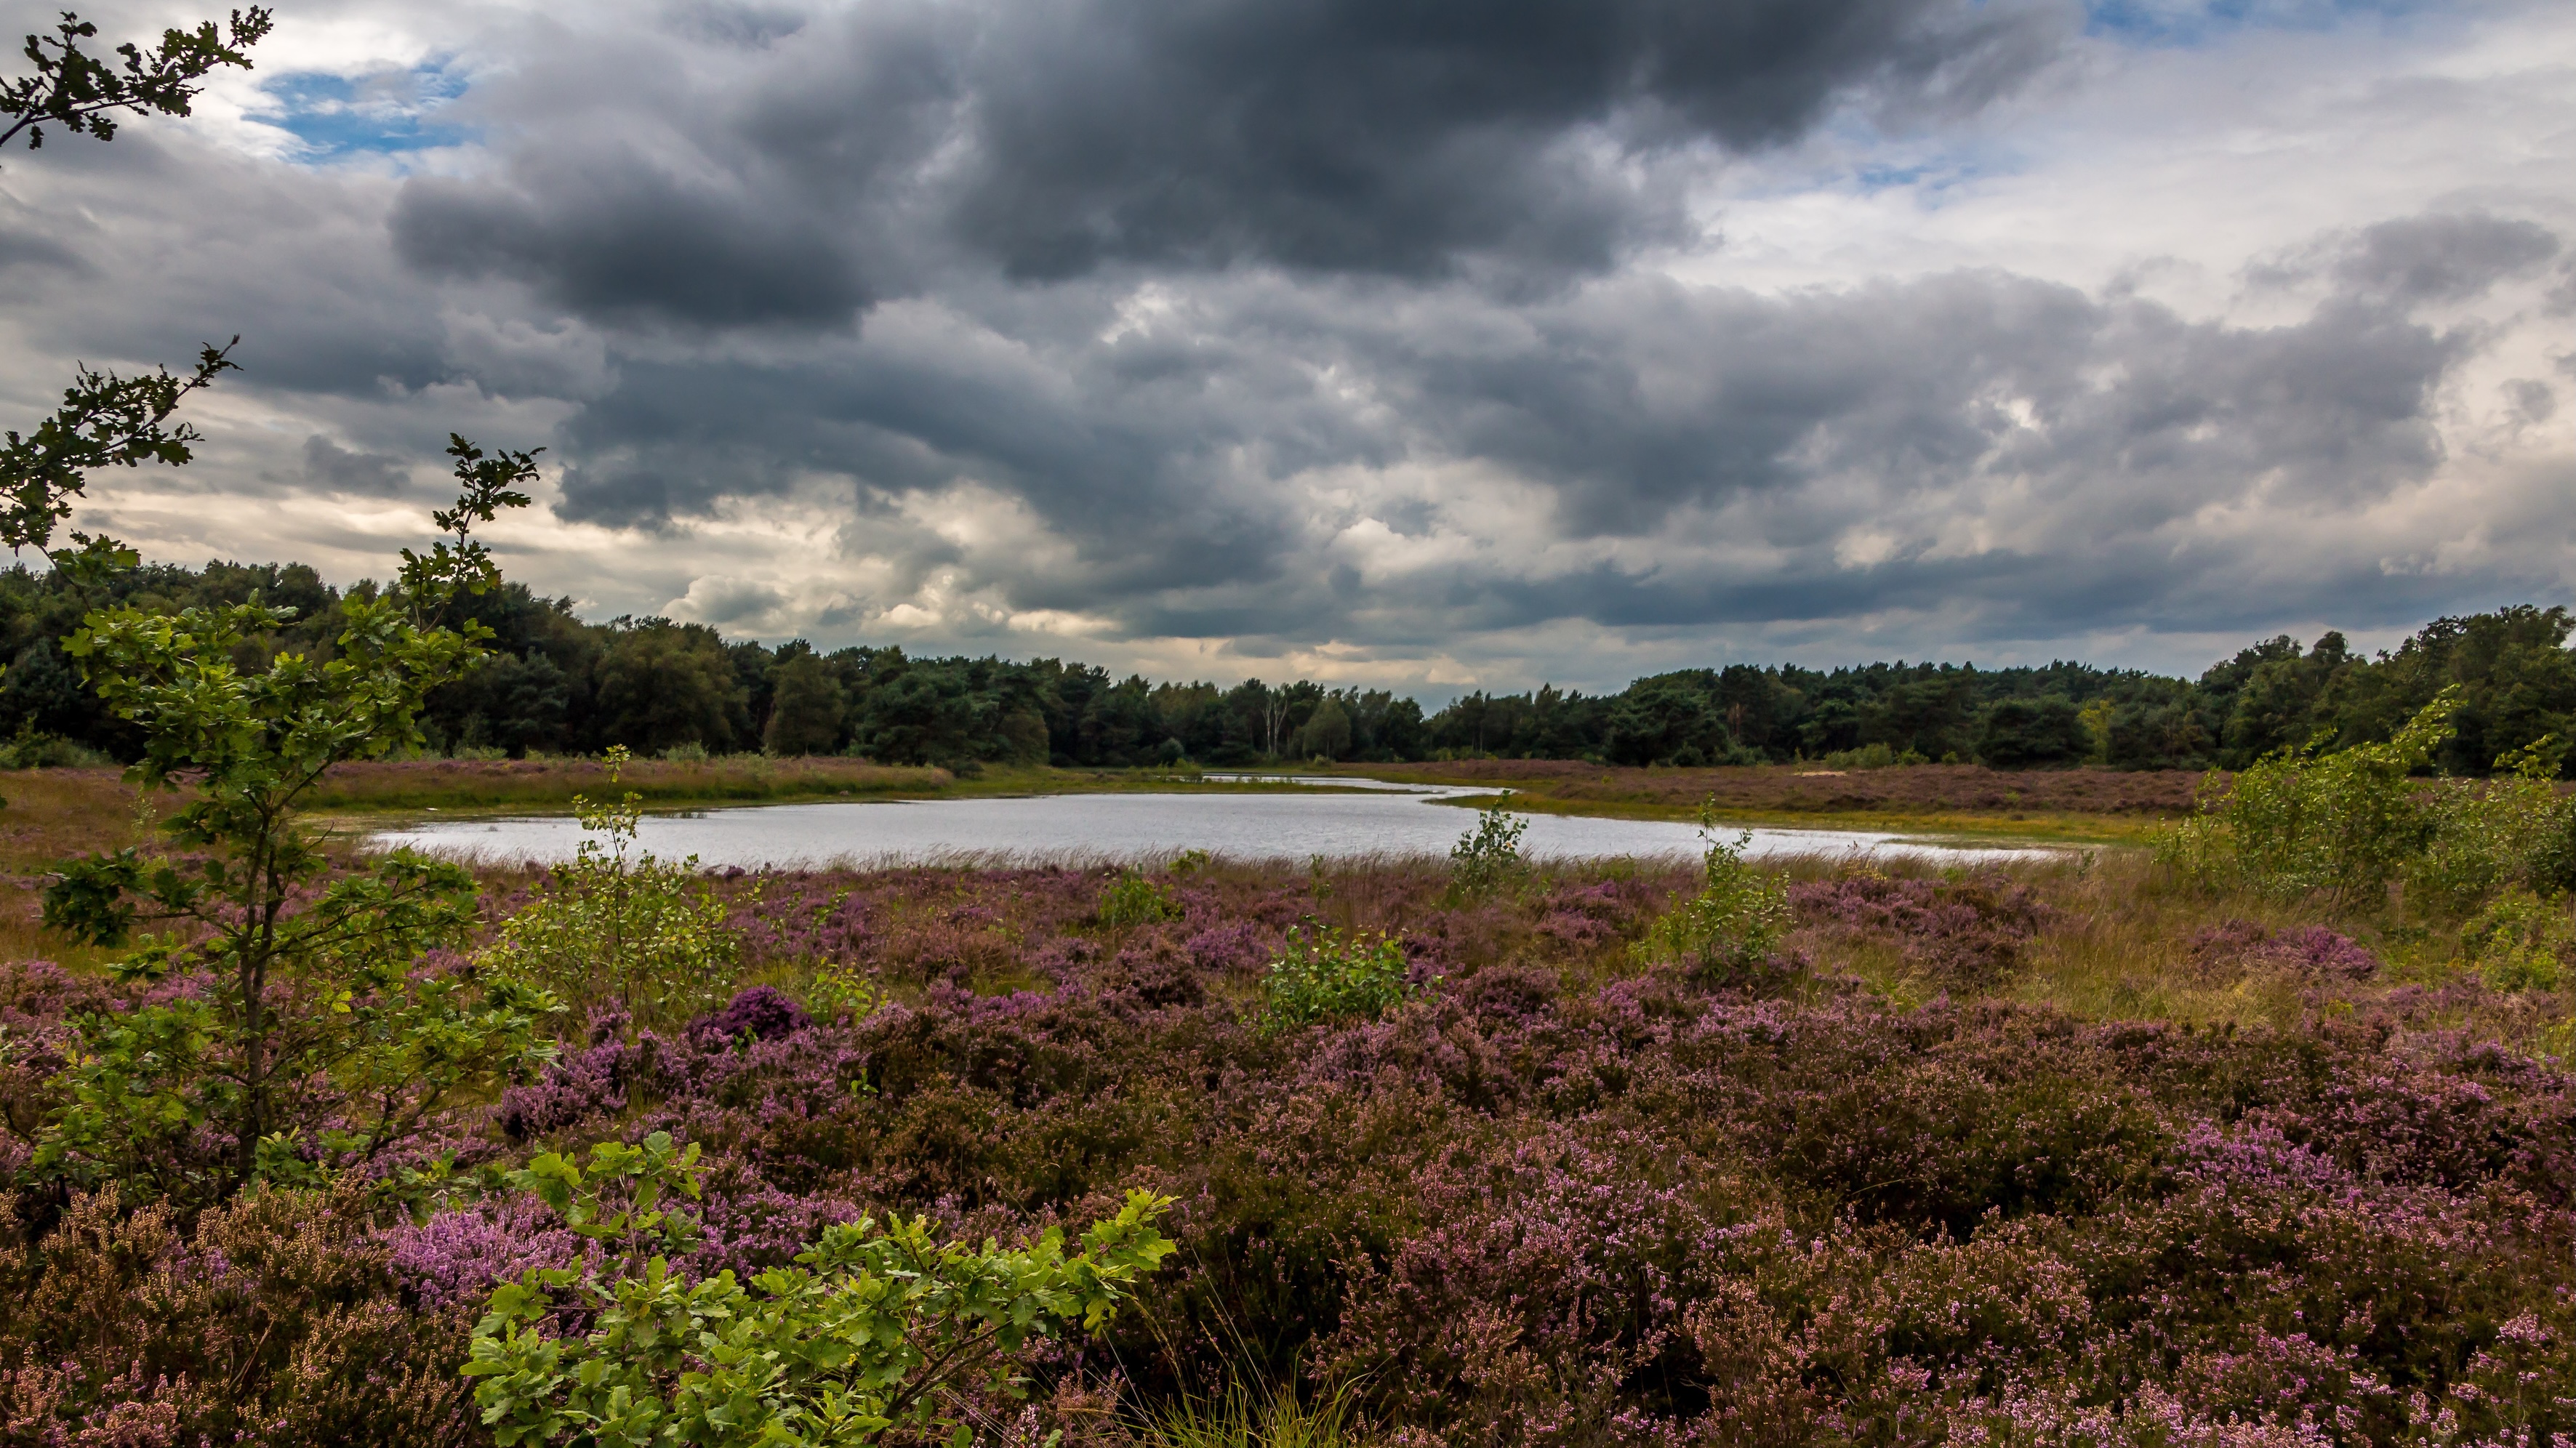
534	783
53	814
2097	805
2119	941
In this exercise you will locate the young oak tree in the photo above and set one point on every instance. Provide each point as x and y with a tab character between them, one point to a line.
301	1032
875	1333
82	93
105	420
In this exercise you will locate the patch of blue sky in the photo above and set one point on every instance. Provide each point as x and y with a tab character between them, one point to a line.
1875	177
380	113
2197	22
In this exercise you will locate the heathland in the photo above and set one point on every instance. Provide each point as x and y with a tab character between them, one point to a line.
2254	1129
2260	1134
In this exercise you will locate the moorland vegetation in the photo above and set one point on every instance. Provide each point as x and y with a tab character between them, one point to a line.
2259	1136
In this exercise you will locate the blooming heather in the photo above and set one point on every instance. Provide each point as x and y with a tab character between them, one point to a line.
1563	1199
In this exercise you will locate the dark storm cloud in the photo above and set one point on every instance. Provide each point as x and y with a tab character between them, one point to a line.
708	176
1364	135
792	185
616	237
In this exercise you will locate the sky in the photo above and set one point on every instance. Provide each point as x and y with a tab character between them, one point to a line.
1424	346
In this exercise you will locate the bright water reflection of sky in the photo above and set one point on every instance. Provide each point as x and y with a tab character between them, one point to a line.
1086	828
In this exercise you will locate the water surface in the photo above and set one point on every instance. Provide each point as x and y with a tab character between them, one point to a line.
1379	820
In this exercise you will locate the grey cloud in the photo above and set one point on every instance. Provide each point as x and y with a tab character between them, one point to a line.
1647	397
336	469
1366	136
735	24
2444	258
1197	299
659	180
618	237
777	184
2533	401
1162	461
31	249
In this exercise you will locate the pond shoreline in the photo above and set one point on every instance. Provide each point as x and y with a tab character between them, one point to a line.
1293	823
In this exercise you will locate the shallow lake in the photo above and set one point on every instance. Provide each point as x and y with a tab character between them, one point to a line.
1083	828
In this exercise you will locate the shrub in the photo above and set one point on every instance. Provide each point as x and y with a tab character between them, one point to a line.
1871	756
623	928
2299	821
762	1013
46	751
2519	941
837	989
1488	856
1732	926
870	1330
2485	836
296	1031
1131	898
1335	974
271	1319
2309	952
1962	932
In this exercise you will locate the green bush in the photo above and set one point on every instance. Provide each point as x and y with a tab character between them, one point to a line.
2298	822
46	751
301	1038
870	1331
1488	857
618	926
2347	824
2520	941
1872	756
1733	924
2485	837
1335	974
1133	898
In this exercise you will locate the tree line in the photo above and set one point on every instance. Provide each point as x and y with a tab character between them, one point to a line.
558	684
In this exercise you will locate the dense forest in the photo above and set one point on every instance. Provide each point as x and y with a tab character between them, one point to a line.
561	685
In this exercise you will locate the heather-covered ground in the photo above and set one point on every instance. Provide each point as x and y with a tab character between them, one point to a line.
2063	1154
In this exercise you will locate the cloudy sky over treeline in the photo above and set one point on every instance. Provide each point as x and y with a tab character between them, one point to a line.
1425	345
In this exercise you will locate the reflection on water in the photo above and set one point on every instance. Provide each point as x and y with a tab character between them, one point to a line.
1397	820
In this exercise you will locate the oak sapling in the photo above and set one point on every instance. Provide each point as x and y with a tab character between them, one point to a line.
82	93
314	1037
1134	898
619	926
872	1330
1335	974
1488	856
1735	922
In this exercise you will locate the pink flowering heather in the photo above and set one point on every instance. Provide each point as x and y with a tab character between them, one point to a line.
1555	1198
